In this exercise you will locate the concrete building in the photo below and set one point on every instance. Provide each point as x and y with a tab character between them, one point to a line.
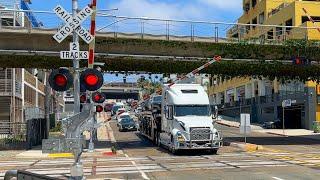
22	91
22	95
277	12
9	17
262	98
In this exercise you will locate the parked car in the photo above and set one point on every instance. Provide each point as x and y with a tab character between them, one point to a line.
120	111
138	110
127	124
115	108
108	107
123	116
277	124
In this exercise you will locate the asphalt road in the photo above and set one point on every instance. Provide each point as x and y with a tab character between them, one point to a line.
140	159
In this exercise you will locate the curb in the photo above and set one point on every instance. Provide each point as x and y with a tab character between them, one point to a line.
228	125
246	147
278	134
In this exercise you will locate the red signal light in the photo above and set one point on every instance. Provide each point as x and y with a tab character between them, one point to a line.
91	79
83	98
99	108
60	79
98	97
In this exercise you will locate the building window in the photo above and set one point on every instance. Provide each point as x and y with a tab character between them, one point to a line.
305	18
248	28
270	34
254	21
279	31
254	3
246	7
289	23
261	18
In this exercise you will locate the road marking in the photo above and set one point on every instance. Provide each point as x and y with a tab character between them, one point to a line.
60	155
276	178
143	174
94	167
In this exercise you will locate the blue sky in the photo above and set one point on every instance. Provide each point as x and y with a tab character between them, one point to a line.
202	10
212	10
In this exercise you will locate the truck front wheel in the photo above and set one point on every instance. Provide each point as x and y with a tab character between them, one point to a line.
214	151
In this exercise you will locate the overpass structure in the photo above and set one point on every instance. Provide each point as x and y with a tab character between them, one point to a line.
121	91
35	48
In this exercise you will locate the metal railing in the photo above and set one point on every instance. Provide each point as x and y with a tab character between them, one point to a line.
30	15
177	30
22	135
13	135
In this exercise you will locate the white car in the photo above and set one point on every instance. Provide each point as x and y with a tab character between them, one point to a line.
123	116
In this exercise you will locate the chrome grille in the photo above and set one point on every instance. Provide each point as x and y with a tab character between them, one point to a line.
200	134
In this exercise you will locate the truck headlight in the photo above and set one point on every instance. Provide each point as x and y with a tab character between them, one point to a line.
180	138
216	135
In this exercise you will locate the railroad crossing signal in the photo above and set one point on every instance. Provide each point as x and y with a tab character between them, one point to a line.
60	79
91	79
73	24
98	97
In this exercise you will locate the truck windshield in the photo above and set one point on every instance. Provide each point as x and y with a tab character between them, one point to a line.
192	110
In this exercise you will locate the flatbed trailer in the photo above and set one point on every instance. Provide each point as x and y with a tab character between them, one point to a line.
150	125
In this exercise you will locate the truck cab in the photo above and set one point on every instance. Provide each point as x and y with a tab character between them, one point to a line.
186	119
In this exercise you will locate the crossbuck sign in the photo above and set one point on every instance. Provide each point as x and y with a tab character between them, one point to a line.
73	24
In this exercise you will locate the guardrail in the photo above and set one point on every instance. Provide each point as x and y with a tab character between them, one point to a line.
21	174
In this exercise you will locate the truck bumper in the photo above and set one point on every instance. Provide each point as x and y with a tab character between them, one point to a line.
216	144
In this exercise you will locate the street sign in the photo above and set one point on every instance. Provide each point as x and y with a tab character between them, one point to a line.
73	24
245	127
286	103
74	55
74	47
74	52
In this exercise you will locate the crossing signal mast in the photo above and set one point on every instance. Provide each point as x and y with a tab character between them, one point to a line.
86	83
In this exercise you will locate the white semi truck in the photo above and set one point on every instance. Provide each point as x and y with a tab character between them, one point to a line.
184	121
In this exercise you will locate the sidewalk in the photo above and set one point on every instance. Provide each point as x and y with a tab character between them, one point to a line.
259	129
102	146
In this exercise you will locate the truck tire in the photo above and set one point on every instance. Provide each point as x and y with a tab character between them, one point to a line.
214	151
158	140
174	151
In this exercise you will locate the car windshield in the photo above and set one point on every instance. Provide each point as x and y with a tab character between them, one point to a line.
127	120
157	99
192	110
125	117
115	108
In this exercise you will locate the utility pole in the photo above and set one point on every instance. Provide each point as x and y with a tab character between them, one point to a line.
76	93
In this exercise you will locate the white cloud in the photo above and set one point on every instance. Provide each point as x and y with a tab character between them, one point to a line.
228	5
158	9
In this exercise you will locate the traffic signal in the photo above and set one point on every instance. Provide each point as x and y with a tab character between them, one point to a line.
91	79
60	79
99	108
83	98
98	97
